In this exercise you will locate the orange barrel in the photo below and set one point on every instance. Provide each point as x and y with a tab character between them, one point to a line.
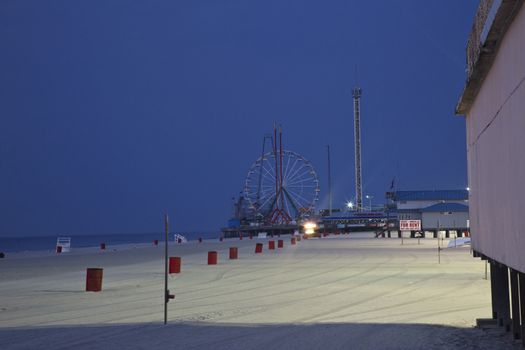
156	242
280	243
94	280
59	249
212	258
233	253
271	244
292	240
102	246
258	248
174	266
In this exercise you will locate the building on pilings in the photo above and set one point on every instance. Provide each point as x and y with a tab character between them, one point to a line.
493	102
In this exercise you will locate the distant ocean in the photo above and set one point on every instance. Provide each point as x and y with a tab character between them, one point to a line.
21	244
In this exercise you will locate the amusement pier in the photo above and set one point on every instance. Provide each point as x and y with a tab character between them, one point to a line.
282	189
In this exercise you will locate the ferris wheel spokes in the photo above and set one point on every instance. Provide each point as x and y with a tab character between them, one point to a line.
282	202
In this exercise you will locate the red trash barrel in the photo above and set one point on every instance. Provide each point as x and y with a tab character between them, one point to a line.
292	240
258	248
212	258
271	244
280	243
174	264
233	253
94	280
59	249
102	246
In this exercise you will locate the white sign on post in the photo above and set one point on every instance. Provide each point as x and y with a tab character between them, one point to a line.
410	225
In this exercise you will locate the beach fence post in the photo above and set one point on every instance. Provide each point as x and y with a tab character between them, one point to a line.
167	295
439	249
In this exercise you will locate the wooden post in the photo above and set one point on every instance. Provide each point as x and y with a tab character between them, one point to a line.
521	282
439	251
506	297
166	292
493	291
515	304
503	295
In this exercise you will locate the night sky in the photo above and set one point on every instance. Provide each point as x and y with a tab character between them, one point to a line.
114	111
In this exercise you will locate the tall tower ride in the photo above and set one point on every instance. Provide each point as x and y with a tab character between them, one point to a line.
356	93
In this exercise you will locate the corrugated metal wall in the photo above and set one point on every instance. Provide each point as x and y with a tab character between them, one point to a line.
447	221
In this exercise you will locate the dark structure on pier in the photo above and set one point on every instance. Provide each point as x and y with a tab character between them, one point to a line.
438	210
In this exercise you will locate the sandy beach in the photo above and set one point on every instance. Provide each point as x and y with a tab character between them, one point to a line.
338	292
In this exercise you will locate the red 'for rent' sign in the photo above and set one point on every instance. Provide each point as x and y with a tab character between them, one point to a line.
410	225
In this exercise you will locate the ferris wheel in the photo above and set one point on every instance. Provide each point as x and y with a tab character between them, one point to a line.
285	182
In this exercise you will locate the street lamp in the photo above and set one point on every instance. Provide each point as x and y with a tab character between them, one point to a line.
369	201
350	205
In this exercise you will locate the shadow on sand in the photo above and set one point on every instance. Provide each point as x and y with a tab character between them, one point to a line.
257	336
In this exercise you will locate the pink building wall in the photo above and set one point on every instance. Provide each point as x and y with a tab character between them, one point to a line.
496	154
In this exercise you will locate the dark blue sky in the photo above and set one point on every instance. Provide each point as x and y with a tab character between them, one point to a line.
112	111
